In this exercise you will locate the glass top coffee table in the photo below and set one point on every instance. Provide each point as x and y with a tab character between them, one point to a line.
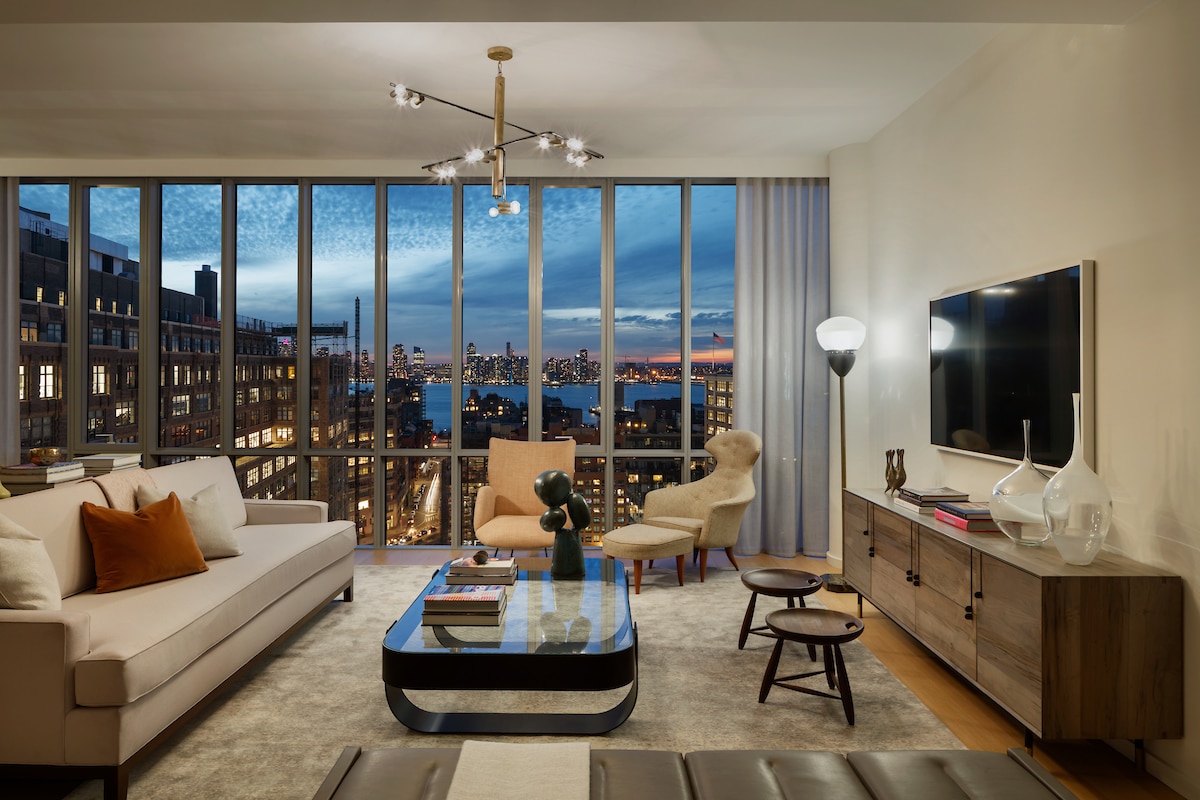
574	635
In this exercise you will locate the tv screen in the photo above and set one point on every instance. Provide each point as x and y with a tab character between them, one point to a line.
1016	351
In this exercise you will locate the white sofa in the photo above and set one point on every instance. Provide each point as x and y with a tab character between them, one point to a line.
86	691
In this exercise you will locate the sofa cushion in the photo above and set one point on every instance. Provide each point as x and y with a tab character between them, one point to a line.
131	549
142	637
60	526
945	775
27	579
204	514
772	775
120	487
188	477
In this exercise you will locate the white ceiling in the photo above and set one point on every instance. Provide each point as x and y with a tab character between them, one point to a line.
758	86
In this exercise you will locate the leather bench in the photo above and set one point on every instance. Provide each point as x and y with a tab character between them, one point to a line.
426	773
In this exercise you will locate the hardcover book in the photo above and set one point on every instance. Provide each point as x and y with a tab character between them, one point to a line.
465	597
494	566
985	524
969	510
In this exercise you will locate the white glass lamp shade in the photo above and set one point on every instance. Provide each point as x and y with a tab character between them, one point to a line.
841	334
941	333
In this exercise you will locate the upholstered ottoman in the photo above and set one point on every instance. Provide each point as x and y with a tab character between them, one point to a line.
647	543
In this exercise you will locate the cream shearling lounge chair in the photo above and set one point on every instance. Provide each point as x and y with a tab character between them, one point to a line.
507	512
711	508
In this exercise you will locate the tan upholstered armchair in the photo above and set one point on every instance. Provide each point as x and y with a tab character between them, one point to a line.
507	512
711	508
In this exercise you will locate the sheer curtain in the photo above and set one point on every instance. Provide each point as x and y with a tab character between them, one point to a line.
781	376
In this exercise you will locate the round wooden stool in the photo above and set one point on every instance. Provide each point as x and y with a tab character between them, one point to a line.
790	583
813	626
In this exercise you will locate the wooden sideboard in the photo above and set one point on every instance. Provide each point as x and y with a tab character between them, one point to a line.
1072	652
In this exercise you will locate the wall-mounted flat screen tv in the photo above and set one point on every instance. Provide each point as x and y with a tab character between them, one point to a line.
1015	351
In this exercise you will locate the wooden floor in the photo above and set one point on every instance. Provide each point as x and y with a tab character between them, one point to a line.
1092	770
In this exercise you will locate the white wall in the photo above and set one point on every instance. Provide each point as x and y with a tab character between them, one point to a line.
1051	145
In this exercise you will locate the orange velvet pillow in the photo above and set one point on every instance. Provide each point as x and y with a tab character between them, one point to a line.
155	543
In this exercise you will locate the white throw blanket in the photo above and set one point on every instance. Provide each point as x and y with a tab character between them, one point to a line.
499	771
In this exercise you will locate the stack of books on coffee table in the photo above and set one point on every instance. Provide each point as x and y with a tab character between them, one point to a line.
23	478
468	604
501	572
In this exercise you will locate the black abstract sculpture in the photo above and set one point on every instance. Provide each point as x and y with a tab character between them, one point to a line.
553	487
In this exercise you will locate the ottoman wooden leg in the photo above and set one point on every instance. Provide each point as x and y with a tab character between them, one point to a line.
679	568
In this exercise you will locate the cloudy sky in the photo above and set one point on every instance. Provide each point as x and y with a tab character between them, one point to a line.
419	247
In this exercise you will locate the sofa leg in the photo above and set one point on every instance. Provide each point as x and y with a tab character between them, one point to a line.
116	783
703	564
348	593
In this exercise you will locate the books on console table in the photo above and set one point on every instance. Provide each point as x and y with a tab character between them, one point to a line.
923	501
36	473
466	598
967	510
975	524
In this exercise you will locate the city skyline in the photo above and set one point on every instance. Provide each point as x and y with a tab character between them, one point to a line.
495	256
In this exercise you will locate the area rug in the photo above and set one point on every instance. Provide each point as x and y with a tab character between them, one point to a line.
278	732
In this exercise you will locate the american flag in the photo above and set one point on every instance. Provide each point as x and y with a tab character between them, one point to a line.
717	338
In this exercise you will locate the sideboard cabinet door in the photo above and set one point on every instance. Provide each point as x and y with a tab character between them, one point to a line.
1008	636
856	543
945	607
892	566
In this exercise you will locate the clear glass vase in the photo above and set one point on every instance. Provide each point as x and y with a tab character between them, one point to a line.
1077	505
1016	503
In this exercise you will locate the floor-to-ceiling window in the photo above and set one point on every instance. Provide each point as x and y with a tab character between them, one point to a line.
360	342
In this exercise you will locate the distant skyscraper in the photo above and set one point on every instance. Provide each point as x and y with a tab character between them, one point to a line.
418	364
399	362
206	289
508	351
364	366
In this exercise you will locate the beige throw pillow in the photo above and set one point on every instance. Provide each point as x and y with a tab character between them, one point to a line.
27	577
203	511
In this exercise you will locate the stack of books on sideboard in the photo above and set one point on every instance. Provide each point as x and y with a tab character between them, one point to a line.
924	501
464	604
966	516
24	478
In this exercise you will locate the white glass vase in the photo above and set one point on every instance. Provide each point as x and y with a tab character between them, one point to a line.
1077	505
1016	503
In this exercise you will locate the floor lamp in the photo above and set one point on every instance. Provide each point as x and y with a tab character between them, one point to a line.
840	338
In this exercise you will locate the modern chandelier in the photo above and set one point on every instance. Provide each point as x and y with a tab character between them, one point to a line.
447	169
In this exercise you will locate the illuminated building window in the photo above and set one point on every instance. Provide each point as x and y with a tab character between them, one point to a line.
20	381
29	331
126	413
47	382
99	379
